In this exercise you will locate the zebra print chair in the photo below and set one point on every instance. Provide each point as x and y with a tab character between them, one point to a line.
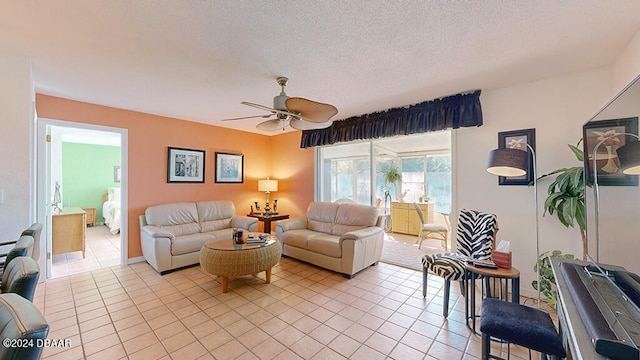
475	240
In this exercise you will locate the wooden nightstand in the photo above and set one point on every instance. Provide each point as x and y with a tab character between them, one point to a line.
91	216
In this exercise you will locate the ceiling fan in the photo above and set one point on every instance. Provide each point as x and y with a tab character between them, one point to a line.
297	112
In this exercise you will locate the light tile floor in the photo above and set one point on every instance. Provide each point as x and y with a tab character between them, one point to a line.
402	249
102	250
305	313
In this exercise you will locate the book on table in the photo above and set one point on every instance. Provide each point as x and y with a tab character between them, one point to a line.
256	238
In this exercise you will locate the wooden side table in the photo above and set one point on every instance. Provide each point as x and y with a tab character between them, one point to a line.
91	216
267	219
472	273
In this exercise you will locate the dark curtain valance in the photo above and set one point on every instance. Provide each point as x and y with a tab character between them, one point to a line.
451	112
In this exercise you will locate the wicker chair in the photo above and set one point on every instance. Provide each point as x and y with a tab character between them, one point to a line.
441	231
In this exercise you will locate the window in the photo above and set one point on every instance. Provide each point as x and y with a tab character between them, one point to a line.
344	171
438	172
350	180
427	177
413	178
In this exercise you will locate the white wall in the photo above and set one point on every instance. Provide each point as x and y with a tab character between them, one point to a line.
627	66
556	108
16	157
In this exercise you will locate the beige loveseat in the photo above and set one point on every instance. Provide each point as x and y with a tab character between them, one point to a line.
173	234
342	237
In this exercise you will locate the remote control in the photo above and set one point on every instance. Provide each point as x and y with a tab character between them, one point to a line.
485	264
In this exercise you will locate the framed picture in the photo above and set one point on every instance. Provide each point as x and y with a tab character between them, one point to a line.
518	139
608	136
185	166
229	168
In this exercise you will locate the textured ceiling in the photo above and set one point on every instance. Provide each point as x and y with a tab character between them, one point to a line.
199	59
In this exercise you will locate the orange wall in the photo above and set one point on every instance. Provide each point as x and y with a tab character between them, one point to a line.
149	137
295	166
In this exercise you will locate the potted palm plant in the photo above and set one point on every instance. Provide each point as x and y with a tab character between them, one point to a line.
566	196
565	199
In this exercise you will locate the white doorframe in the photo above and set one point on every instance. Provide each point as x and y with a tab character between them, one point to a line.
43	185
43	205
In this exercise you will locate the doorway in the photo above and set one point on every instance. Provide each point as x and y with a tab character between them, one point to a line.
83	169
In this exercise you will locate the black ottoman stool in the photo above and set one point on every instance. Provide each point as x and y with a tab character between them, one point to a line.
518	324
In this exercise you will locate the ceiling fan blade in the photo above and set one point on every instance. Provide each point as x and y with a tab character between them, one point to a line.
258	106
310	110
248	117
306	125
271	125
273	111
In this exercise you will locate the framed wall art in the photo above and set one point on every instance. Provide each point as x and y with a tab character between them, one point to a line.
518	139
185	166
610	134
229	168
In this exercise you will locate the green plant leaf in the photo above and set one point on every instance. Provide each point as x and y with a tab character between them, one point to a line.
578	152
581	217
550	174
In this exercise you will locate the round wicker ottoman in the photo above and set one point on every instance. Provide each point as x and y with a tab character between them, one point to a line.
225	258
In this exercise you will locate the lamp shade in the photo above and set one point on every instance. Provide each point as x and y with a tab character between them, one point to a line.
267	185
629	156
507	162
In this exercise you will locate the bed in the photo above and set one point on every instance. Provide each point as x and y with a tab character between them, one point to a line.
111	209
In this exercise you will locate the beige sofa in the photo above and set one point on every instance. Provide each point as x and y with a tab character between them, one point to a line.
342	237
173	234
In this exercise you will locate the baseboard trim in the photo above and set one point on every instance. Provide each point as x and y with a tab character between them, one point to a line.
135	260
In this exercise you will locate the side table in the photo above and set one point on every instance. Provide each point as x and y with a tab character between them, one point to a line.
91	216
472	273
267	219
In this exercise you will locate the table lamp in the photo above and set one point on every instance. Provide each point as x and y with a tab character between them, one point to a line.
267	186
513	162
57	199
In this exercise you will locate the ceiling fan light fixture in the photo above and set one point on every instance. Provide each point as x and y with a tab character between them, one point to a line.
299	113
272	125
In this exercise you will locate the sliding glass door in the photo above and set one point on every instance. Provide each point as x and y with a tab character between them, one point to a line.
345	173
424	162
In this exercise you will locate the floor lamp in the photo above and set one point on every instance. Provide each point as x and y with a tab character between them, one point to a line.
510	163
629	156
